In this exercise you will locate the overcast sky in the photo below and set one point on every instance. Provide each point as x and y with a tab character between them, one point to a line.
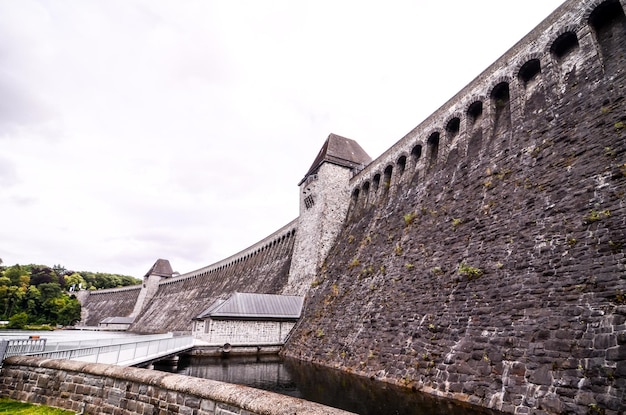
132	130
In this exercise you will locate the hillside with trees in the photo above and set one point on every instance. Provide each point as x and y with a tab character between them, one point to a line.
42	295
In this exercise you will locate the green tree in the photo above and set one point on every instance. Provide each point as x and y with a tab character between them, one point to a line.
15	274
67	310
75	280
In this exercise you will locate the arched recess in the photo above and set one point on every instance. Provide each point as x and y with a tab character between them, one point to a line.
387	178
474	112
608	24
376	183
564	45
529	71
366	192
416	154
401	164
453	127
433	149
355	198
501	102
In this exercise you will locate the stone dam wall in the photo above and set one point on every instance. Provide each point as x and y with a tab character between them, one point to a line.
107	303
483	254
262	268
95	388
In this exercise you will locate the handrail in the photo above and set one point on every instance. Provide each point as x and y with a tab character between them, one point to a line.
14	347
123	354
63	345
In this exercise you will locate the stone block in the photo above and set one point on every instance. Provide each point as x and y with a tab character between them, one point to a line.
616	353
604	341
208	405
541	376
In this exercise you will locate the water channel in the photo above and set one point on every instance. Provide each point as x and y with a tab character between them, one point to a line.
318	384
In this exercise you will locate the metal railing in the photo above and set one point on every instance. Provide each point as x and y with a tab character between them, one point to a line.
81	344
125	352
14	347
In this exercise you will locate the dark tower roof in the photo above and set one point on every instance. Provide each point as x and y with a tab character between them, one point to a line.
341	151
162	268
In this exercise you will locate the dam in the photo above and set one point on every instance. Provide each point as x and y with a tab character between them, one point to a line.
480	258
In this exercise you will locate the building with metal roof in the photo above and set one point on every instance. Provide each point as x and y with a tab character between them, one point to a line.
248	319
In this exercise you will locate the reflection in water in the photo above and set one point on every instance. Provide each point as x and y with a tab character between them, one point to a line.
262	372
319	384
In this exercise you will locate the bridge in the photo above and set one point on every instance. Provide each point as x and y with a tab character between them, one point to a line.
129	351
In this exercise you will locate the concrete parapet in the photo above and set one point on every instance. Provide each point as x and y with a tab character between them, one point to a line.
97	388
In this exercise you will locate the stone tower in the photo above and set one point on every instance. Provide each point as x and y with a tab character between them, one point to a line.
324	201
161	269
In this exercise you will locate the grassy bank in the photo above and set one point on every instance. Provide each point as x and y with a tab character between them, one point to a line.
8	406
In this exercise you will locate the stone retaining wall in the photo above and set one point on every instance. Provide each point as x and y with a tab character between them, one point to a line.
109	389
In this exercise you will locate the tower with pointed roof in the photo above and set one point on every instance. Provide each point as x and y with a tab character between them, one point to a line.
324	201
161	269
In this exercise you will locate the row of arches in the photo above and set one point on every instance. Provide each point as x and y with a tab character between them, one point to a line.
117	290
265	252
558	55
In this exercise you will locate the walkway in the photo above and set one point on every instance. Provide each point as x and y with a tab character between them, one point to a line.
120	351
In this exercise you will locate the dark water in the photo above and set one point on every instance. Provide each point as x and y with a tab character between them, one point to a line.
318	384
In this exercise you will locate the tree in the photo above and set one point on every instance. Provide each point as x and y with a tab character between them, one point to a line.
15	273
75	280
41	274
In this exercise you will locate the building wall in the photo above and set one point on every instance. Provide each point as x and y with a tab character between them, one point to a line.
95	388
483	254
234	332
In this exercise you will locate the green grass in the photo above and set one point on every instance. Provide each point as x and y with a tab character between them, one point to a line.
9	406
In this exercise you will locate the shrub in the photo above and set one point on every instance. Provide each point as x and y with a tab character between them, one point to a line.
469	271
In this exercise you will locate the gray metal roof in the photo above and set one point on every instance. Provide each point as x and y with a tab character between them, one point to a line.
341	151
207	313
250	306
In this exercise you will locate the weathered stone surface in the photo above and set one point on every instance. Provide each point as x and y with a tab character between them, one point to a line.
497	250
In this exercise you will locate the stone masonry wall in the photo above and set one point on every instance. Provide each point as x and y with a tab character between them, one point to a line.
262	268
483	256
237	332
108	389
319	224
113	302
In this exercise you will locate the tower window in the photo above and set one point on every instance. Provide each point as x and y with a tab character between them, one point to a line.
309	202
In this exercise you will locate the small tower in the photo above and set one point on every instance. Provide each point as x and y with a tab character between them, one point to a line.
324	201
161	269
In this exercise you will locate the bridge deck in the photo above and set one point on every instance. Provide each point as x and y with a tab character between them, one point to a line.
123	352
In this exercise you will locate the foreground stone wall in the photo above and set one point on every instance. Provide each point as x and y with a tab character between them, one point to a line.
98	388
483	257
